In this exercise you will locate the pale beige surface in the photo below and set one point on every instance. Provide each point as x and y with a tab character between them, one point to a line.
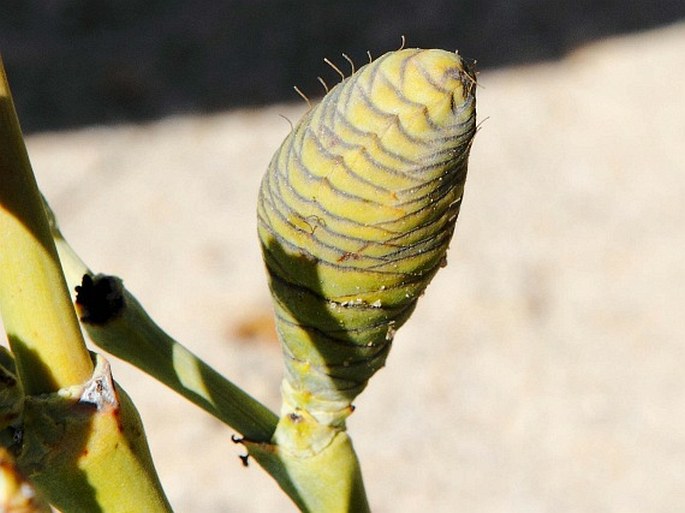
542	371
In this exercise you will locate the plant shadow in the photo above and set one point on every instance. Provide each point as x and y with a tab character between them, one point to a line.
331	348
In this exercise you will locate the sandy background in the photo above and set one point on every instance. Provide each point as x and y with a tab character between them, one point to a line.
542	371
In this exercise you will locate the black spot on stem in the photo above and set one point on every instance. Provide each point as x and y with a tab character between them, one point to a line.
99	298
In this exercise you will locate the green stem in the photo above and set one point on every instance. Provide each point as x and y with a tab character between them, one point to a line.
36	310
130	334
315	464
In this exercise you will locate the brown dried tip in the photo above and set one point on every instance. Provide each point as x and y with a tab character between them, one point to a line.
100	299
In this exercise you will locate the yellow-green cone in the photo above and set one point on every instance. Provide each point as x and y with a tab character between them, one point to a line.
356	212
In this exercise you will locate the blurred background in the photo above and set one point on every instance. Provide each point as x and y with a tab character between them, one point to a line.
542	370
92	61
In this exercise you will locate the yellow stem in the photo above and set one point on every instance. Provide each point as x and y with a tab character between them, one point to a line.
83	444
36	309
